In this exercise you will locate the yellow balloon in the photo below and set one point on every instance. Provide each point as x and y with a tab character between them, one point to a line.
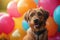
18	25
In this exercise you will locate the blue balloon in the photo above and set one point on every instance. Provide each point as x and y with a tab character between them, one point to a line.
36	1
25	25
57	17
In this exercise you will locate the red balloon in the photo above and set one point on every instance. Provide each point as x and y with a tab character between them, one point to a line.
48	5
6	23
59	2
12	9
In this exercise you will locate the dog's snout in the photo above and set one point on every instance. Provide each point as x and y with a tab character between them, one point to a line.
36	21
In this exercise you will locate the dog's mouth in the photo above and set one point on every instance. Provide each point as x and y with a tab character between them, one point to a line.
37	25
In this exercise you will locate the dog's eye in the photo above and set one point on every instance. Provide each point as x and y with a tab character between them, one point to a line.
32	14
39	14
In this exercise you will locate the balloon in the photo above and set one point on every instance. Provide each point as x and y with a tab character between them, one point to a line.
57	15
7	23
51	26
25	25
24	5
12	9
1	13
48	5
18	25
59	2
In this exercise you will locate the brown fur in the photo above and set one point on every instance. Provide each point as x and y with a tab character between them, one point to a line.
39	15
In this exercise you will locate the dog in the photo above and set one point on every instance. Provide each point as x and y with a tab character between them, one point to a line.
36	19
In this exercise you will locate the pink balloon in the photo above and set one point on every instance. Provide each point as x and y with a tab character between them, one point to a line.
12	9
48	5
1	13
6	23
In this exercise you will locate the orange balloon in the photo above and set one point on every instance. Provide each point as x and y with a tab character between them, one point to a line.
51	26
24	5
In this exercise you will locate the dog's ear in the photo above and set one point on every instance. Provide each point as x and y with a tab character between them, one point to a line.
26	16
45	13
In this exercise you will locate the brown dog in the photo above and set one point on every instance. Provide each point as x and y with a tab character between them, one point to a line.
37	21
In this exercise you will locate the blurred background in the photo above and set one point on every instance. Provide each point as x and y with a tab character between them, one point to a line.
16	9
3	5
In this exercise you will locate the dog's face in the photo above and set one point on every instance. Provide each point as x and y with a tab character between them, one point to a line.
36	18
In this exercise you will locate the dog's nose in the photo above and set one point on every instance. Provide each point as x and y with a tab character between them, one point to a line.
36	21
